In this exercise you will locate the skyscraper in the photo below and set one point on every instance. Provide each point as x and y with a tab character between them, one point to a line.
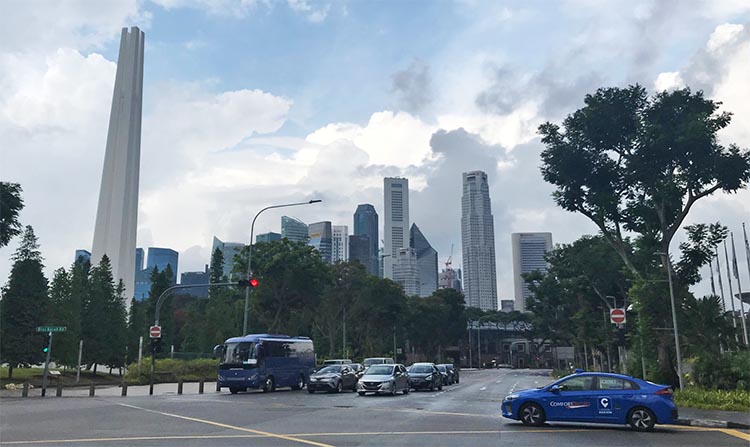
359	250
267	237
340	250
406	271
229	250
117	212
81	253
366	223
190	278
139	258
478	240
396	224
293	229
161	258
528	255
427	261
321	237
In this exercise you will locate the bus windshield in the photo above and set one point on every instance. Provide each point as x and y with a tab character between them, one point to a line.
238	353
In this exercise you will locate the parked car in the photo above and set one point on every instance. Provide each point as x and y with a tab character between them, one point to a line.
594	397
359	369
452	372
425	376
377	361
333	378
384	379
446	376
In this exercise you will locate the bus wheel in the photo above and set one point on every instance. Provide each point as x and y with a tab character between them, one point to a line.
269	385
300	383
234	390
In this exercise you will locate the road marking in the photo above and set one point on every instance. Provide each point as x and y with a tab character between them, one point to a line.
132	438
483	388
231	427
735	433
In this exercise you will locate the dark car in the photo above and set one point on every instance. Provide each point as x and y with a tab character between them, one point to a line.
447	376
451	371
425	376
594	397
332	378
384	379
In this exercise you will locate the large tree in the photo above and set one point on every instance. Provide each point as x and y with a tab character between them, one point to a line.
98	337
24	307
11	205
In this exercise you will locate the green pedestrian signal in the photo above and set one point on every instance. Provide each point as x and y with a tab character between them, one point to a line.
45	349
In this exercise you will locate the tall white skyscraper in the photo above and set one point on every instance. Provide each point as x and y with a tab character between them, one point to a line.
478	240
340	243
528	255
117	213
395	220
406	271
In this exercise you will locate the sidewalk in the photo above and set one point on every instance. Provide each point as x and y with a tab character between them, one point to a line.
160	389
715	418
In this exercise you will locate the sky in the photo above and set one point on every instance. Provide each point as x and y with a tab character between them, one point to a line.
254	102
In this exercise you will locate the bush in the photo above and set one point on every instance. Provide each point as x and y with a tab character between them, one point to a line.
727	372
713	399
172	370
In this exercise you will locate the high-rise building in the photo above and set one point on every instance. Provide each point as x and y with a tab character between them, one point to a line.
507	305
142	284
229	250
81	253
427	261
321	237
529	250
117	212
340	250
366	223
294	229
450	278
359	250
268	237
161	258
406	271
139	258
191	278
478	241
396	220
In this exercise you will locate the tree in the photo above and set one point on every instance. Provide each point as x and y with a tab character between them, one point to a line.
24	307
116	324
97	336
11	205
63	313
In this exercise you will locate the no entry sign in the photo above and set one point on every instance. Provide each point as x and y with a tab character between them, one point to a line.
155	331
617	316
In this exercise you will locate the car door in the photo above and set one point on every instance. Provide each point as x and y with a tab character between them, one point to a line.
614	398
573	400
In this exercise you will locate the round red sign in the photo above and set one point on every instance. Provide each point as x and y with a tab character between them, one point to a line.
617	316
155	331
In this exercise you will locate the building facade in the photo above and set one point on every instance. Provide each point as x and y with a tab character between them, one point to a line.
340	243
359	250
529	250
267	237
406	271
161	258
507	305
229	250
396	221
85	255
450	278
478	242
321	238
427	261
366	223
191	278
294	229
117	211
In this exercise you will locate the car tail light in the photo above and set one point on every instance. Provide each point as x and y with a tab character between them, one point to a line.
664	392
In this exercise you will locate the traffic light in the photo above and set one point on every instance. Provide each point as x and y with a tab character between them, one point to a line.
45	349
156	345
252	282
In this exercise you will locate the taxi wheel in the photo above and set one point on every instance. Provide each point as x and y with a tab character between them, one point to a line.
532	414
642	419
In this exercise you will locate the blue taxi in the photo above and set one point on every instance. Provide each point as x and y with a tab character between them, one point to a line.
594	397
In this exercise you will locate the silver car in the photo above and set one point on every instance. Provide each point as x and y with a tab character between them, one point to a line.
384	379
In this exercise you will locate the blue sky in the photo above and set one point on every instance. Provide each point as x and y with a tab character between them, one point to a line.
250	102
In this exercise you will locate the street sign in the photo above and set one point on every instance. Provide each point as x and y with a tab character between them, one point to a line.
617	316
51	328
155	331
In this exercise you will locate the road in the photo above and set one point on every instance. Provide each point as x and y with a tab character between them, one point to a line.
466	414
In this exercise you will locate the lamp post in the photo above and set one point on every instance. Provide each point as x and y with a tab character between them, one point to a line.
249	270
665	257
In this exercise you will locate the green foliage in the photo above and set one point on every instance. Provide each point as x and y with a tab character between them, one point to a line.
11	205
735	400
63	313
724	372
24	306
171	370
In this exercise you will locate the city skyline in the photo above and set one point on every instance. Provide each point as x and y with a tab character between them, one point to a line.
433	106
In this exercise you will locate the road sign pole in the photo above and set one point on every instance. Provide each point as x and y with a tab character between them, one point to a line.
80	352
46	366
140	353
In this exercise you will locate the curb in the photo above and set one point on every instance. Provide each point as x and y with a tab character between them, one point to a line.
712	423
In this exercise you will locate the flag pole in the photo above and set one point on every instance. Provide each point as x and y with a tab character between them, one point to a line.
721	287
739	290
731	292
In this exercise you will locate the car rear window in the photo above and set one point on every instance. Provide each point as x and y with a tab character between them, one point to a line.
613	383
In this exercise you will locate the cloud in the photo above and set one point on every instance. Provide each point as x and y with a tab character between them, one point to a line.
669	80
239	9
313	14
412	87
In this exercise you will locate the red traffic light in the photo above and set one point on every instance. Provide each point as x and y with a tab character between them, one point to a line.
254	282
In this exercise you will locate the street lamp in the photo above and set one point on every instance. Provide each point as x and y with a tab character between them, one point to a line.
249	270
668	263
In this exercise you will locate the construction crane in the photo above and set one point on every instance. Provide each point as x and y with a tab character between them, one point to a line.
450	259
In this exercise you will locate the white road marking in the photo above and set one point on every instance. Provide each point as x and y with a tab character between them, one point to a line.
483	388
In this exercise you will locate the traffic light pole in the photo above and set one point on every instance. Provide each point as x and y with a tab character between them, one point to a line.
46	366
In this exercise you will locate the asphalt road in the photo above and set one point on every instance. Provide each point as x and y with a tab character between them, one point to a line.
466	414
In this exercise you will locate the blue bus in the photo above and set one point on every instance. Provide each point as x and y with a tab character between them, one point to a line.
265	361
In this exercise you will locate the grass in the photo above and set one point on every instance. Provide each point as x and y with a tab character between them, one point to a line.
172	370
66	377
713	399
21	374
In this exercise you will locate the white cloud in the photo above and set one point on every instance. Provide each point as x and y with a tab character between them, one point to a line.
724	35
313	14
669	80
